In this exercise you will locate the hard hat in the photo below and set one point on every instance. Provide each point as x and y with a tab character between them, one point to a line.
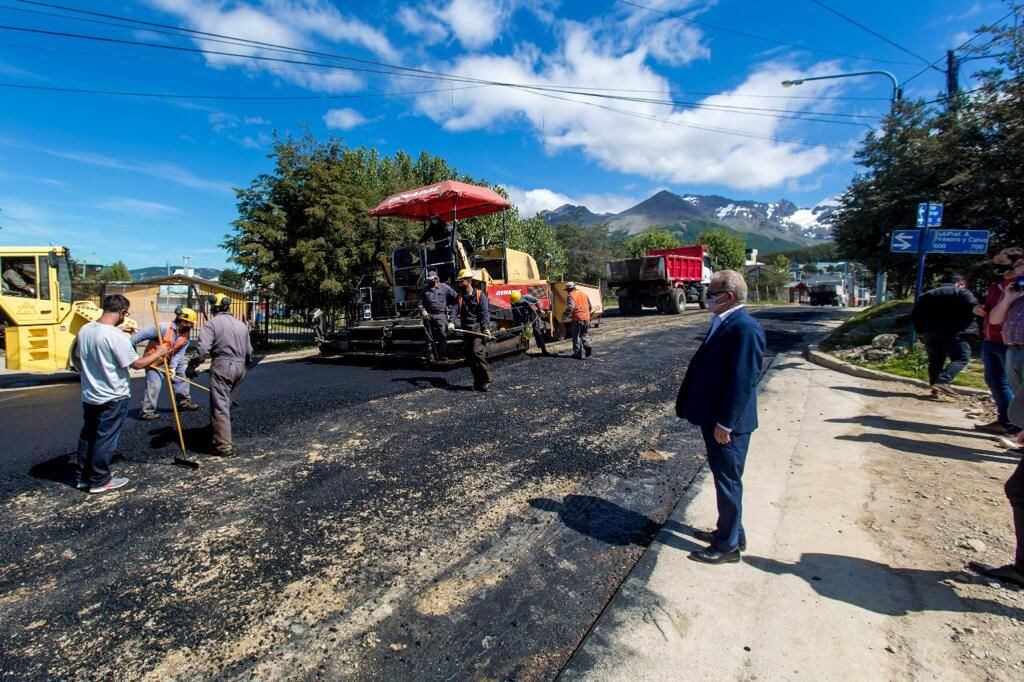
220	301
466	273
570	285
186	314
515	296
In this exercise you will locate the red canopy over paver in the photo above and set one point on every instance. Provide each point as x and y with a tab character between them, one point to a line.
447	200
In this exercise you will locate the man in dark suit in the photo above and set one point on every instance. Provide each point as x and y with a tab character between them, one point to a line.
719	394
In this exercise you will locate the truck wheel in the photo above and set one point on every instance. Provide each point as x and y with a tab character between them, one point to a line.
675	302
702	300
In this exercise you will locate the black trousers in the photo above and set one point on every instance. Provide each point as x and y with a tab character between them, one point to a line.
538	335
939	347
476	358
1015	493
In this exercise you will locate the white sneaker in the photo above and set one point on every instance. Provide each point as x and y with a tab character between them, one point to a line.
112	484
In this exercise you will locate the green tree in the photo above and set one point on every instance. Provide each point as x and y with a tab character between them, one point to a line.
809	269
232	279
117	272
650	239
587	250
727	251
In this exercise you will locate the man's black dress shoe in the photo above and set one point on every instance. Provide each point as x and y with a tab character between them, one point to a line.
708	536
1004	574
713	556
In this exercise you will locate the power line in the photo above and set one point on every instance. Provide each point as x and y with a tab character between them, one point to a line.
964	44
726	29
161	95
435	77
868	30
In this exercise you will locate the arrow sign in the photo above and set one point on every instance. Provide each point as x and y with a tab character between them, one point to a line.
929	214
905	241
957	241
922	215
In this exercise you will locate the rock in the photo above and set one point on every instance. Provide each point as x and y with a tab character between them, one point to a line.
884	341
973	545
69	555
969	630
877	354
978	653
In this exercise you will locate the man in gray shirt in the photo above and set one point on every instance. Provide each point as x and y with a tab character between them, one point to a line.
105	355
226	342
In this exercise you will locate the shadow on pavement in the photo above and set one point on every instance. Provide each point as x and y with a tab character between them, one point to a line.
60	469
197	439
600	519
877	422
933	448
878	587
875	393
433	382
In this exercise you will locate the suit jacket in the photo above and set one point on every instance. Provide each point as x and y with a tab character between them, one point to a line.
720	386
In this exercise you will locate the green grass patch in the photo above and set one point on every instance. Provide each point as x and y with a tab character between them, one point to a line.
914	364
892	317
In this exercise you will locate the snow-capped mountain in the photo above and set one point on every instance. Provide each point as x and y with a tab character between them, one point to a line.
780	219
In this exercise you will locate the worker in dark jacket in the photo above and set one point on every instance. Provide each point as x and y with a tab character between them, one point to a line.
436	300
526	310
941	318
226	342
474	315
577	315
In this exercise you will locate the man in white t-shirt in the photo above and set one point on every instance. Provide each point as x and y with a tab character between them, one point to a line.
105	354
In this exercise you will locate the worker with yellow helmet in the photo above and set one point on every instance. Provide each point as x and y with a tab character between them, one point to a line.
526	310
175	336
474	316
225	340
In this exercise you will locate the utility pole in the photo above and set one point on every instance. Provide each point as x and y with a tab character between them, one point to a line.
952	75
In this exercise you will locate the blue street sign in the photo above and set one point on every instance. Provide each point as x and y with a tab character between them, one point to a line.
957	241
905	241
929	214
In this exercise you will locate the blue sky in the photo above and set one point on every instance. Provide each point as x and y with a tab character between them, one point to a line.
148	180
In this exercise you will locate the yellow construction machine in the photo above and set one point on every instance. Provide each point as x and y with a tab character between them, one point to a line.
39	317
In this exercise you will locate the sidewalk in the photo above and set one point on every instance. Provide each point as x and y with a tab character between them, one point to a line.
864	500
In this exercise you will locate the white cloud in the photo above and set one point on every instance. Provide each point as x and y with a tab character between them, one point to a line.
532	201
674	42
343	119
417	23
295	23
476	23
668	144
256	121
138	207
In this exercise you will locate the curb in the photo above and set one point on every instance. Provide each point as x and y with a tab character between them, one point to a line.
831	362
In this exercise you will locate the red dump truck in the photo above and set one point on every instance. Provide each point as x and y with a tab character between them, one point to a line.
666	279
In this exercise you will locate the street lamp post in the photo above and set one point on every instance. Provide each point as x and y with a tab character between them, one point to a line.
881	278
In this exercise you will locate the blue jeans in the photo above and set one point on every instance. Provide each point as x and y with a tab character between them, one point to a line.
993	356
726	463
98	441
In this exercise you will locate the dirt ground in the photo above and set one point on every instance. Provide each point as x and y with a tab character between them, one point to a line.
940	504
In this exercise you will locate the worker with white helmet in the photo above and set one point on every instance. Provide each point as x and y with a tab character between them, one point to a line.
526	310
225	340
175	336
577	315
474	316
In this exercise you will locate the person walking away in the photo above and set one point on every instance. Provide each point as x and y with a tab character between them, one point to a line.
225	340
526	310
176	337
473	313
719	394
105	354
577	316
941	317
436	300
993	350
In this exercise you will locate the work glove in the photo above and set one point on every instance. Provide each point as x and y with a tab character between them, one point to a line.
490	336
425	315
192	371
451	327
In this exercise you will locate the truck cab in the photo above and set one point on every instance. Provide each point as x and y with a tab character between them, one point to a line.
36	308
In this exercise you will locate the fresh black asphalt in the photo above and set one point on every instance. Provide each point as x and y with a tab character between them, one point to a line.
377	524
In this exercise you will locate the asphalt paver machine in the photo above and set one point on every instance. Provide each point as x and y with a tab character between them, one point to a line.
384	321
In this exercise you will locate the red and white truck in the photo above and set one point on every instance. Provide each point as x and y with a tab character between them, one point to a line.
666	279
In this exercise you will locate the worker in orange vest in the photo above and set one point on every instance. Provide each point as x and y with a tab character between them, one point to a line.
175	336
577	316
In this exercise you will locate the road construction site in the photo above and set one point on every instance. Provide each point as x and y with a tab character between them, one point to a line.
376	523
